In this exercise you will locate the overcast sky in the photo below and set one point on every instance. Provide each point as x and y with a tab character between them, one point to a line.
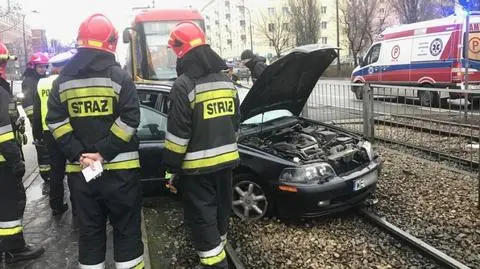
61	18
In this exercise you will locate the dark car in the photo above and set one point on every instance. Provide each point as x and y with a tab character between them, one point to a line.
290	166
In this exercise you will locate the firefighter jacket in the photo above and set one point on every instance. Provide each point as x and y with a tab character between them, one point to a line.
94	107
9	151
202	125
40	100
29	88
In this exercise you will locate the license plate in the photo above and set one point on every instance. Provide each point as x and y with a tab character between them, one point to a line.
364	181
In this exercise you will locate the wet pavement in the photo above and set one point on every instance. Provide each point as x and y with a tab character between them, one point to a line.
55	234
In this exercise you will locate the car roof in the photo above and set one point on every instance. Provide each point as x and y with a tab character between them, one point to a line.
165	88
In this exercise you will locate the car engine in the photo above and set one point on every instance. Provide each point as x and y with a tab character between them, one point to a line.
306	143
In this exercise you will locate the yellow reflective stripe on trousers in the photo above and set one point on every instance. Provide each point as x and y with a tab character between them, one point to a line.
214	259
6	137
175	147
44	168
2	159
62	130
212	161
10	227
87	92
136	263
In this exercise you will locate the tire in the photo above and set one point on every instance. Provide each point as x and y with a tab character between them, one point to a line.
358	91
428	98
251	199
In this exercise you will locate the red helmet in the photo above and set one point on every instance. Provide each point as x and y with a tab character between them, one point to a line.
97	32
4	58
184	37
38	58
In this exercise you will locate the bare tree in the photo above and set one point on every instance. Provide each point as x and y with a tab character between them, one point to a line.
305	18
411	11
276	30
363	20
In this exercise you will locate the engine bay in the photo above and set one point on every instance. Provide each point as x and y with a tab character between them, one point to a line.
306	143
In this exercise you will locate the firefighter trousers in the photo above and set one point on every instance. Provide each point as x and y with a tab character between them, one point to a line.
115	195
43	160
12	206
207	201
57	173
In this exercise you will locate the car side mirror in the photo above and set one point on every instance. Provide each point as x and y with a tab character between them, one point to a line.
126	35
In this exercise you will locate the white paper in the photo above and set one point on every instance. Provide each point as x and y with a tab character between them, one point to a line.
93	171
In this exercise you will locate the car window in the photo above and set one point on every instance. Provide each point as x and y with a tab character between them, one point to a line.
268	116
153	125
374	54
148	99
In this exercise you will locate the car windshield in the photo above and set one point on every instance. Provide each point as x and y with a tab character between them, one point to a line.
267	116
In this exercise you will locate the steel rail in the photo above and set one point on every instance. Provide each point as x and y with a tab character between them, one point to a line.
429	250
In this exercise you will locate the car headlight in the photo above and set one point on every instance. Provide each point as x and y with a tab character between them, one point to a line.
368	148
307	173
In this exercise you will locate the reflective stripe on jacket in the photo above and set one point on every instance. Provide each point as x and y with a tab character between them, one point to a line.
96	112
202	123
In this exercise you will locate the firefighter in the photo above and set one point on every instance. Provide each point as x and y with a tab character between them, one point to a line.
200	145
12	192
36	69
57	159
254	63
93	114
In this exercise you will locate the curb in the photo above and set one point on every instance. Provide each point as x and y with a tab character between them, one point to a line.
234	259
31	178
146	251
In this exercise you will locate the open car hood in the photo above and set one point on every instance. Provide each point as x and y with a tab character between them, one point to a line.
288	82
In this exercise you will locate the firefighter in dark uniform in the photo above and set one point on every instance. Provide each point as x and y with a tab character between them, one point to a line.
12	192
200	147
36	69
57	159
254	63
93	114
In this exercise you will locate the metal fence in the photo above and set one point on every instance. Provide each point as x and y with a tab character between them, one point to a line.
433	123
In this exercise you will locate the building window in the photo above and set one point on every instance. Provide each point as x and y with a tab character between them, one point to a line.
323	9
285	10
285	26
324	40
227	3
216	22
271	27
227	16
243	37
208	27
271	11
324	25
242	23
229	42
382	10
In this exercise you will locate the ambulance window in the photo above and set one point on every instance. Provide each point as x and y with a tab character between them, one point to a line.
374	54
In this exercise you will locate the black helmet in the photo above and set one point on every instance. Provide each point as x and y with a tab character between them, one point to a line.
246	54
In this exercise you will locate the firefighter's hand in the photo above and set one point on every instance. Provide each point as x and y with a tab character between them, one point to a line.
18	169
93	156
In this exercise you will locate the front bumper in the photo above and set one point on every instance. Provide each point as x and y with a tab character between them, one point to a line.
313	200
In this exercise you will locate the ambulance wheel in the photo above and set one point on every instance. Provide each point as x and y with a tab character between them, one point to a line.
358	91
428	98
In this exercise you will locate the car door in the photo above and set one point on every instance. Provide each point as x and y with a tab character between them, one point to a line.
151	133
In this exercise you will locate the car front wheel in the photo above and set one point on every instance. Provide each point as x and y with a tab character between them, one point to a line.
251	200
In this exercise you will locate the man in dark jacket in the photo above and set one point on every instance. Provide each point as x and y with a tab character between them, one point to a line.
37	67
200	144
254	63
12	193
93	114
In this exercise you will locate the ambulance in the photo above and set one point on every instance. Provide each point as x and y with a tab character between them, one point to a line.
426	54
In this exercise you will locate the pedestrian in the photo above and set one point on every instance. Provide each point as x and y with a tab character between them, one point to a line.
57	158
36	69
12	170
200	146
254	63
93	114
